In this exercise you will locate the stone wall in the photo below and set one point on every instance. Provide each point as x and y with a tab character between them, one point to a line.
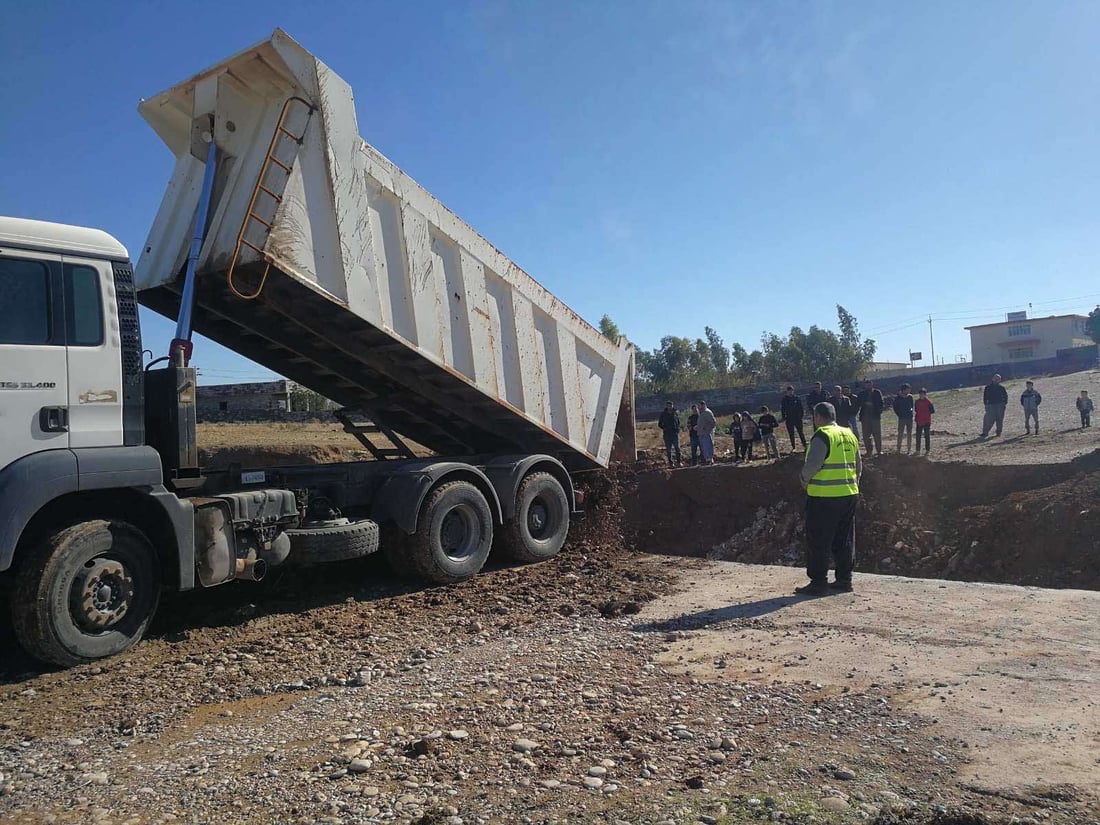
245	416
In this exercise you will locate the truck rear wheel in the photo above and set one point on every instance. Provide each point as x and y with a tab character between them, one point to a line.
541	524
85	592
453	535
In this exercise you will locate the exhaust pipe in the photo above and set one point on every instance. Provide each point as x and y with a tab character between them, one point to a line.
252	571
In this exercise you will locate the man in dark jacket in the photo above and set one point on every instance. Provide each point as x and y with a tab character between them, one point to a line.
816	396
791	412
903	409
669	422
870	416
1030	401
853	403
995	399
693	434
844	406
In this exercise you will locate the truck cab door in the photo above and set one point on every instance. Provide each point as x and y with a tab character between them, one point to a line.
94	353
33	370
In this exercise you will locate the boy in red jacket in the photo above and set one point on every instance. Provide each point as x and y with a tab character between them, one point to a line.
922	417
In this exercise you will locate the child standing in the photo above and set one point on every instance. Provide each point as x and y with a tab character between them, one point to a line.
1084	406
922	413
734	429
767	424
748	434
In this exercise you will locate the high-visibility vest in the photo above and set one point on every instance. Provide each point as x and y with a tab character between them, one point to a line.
837	476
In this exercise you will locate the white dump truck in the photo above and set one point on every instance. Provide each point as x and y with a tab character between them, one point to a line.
286	237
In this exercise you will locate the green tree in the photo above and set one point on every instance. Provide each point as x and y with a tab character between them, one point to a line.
610	329
1092	325
718	352
817	354
306	400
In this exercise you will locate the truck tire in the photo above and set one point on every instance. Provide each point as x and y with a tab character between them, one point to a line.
453	535
338	541
85	592
541	524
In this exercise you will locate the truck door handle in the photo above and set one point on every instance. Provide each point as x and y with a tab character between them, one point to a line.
54	419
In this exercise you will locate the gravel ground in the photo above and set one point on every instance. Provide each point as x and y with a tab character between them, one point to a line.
525	695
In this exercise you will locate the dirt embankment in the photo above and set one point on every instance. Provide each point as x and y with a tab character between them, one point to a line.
1033	525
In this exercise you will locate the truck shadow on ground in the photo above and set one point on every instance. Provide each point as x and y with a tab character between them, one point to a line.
718	615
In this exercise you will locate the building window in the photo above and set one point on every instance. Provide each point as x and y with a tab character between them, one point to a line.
1021	353
223	406
1016	330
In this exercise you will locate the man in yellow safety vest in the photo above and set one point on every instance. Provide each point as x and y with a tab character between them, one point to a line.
831	478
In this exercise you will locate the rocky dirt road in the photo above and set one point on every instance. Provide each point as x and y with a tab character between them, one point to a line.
1012	672
536	694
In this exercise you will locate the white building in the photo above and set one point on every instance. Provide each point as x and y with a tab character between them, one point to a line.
1021	338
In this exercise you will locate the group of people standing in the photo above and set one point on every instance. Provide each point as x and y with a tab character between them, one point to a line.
995	401
861	413
865	410
701	427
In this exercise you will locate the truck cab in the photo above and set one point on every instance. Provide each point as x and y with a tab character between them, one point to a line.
67	328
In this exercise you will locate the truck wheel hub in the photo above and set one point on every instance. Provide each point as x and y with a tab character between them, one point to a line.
458	532
101	593
536	519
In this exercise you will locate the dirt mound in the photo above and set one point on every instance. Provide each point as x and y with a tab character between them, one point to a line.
1048	537
1014	525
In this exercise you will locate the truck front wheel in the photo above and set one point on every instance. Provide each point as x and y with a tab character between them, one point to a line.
85	592
453	535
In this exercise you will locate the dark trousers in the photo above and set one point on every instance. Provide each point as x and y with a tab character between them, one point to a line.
1086	419
872	435
830	531
696	450
924	430
672	446
791	427
994	417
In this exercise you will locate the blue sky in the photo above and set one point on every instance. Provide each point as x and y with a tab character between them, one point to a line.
674	164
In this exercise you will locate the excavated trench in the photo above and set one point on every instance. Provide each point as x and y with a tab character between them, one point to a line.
1030	525
1036	524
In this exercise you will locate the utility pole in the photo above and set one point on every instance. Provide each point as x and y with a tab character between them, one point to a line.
932	340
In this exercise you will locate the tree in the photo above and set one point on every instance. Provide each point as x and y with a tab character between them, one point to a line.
746	364
1092	325
818	354
610	329
718	353
306	400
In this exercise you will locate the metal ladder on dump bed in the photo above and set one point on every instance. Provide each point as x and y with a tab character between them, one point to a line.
281	133
362	431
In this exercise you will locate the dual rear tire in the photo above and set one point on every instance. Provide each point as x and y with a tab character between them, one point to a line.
455	534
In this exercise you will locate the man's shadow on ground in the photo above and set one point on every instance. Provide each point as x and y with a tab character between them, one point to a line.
718	615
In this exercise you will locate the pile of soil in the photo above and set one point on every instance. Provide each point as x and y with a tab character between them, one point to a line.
1034	525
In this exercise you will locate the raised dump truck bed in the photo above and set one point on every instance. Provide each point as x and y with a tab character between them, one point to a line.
326	263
